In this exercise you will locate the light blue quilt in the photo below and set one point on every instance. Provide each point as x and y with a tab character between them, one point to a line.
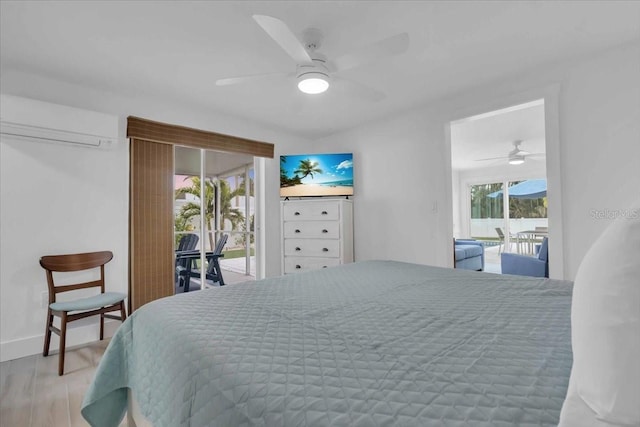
375	343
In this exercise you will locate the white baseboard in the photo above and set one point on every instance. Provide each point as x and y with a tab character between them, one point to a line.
82	334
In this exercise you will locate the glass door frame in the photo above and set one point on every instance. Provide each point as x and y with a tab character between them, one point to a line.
258	229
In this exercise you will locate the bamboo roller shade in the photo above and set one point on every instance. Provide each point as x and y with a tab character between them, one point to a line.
151	252
149	130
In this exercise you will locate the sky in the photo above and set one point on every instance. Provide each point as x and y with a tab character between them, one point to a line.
335	167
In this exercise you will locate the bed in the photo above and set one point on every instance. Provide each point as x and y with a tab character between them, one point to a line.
372	343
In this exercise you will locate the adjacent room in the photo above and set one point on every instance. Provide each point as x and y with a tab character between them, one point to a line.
318	213
490	153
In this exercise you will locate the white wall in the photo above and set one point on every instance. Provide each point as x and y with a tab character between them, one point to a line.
40	168
400	188
403	163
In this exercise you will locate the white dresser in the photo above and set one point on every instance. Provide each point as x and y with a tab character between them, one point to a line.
316	234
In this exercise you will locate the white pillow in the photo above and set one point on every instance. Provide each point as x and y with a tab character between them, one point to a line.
605	326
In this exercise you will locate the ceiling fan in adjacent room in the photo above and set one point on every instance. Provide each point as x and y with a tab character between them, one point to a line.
516	156
314	73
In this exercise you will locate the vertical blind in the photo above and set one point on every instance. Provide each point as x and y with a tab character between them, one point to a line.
151	193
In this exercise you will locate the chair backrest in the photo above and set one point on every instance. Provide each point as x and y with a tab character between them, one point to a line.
217	251
500	233
543	255
220	245
188	242
71	263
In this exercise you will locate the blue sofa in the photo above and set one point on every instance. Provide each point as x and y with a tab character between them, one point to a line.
525	265
469	254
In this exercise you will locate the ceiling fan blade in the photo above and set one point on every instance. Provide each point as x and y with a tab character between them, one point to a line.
247	79
280	32
393	45
491	158
359	90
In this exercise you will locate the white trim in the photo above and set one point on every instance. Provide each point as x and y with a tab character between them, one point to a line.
550	94
84	334
259	192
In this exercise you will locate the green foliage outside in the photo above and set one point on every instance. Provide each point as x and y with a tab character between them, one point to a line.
192	209
483	206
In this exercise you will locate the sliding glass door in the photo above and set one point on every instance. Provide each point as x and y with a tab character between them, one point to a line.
214	196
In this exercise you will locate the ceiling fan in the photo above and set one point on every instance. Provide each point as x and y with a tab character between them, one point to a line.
516	156
314	72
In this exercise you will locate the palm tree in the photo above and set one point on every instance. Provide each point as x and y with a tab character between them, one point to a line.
227	213
307	167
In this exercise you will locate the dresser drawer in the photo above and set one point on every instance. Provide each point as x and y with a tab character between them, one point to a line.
310	211
312	229
297	264
312	247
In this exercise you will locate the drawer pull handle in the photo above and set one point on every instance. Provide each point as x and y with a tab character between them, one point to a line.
325	213
297	231
298	267
325	250
298	249
324	266
325	231
296	213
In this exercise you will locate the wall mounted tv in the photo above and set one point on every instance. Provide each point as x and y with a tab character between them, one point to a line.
313	175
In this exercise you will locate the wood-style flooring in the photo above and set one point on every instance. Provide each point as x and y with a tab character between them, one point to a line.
33	395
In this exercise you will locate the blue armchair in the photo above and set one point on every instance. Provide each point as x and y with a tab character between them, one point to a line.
523	265
469	254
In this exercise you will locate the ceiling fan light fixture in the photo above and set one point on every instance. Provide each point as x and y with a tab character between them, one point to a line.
516	160
313	82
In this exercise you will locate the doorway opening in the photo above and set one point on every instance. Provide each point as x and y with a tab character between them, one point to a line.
498	162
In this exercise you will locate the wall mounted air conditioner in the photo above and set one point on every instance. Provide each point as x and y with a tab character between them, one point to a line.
38	121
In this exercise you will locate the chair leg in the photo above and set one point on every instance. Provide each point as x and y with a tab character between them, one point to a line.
101	326
123	312
47	333
63	338
219	272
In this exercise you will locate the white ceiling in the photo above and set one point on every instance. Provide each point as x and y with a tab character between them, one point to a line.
176	50
492	135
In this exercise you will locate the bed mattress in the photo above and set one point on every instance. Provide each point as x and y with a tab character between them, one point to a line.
375	343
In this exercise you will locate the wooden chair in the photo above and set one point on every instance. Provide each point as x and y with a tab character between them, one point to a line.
68	311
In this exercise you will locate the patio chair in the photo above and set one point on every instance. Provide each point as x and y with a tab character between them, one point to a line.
188	243
70	310
213	272
501	242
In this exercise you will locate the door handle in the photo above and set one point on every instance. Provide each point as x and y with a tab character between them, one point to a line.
325	231
325	250
298	249
297	231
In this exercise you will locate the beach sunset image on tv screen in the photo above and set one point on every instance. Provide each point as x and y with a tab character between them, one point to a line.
316	175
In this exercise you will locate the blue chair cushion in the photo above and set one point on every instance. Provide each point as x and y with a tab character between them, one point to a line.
467	251
543	254
97	301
